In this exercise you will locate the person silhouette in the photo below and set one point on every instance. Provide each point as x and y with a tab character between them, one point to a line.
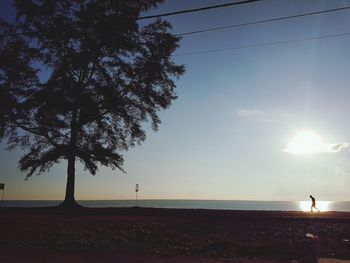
313	205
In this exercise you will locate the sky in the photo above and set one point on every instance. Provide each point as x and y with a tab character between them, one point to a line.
239	127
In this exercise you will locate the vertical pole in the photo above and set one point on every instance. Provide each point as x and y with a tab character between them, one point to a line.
2	187
136	190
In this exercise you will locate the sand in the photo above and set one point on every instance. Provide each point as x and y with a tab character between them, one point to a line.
171	235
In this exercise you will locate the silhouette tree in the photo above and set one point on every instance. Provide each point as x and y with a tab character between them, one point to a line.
79	79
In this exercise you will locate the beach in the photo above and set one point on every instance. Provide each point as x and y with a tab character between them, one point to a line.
171	235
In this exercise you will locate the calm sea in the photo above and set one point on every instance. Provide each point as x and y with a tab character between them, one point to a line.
202	204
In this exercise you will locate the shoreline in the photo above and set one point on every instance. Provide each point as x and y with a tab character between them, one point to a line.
286	206
155	211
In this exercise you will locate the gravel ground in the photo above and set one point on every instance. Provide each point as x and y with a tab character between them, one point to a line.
172	235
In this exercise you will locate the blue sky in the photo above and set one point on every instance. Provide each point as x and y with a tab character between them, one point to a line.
237	110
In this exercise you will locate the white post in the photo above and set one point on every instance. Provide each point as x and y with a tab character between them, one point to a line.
2	187
136	190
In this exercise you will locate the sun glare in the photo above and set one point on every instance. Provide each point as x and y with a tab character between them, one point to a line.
323	206
304	142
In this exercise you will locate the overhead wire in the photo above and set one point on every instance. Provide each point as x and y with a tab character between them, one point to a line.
165	14
260	45
232	26
199	9
263	21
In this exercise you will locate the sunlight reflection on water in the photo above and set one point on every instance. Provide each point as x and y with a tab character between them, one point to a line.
323	206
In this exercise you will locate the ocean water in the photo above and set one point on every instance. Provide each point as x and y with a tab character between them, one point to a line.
196	204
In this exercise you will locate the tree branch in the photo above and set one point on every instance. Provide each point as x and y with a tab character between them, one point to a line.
34	131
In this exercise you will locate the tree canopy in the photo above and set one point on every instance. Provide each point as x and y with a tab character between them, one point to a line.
80	78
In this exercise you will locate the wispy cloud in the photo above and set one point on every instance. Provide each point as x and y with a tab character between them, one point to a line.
322	148
309	142
257	114
335	147
247	113
338	171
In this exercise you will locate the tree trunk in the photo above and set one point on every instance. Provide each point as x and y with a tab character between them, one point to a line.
69	200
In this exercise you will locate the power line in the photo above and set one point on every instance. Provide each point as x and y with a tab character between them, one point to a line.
199	9
264	21
164	14
260	45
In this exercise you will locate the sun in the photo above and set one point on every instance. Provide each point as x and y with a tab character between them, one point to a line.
304	142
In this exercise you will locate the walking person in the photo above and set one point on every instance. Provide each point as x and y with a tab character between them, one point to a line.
313	205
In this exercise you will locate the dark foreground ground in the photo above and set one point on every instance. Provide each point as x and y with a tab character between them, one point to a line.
170	235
